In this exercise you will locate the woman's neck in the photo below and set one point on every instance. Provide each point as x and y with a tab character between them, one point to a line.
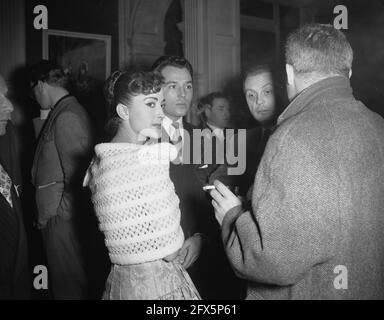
125	135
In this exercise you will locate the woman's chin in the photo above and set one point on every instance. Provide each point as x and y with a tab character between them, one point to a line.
152	133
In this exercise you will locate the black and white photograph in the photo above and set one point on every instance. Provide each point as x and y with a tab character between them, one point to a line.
204	153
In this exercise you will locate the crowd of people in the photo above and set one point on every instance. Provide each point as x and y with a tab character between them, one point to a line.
147	215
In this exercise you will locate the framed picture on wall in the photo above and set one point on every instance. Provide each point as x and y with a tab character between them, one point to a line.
85	57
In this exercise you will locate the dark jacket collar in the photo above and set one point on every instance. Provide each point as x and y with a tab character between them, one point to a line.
8	153
61	99
333	87
59	104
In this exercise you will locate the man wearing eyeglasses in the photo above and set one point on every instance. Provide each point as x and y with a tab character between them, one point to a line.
61	157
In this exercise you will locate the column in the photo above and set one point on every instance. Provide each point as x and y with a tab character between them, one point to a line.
196	48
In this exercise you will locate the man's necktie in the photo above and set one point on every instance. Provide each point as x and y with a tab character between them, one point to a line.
5	185
177	141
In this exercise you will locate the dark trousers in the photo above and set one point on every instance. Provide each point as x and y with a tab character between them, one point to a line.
66	273
214	278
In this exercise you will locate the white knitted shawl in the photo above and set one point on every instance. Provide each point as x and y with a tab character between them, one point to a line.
135	201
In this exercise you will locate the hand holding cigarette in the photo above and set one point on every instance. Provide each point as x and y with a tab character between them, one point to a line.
223	200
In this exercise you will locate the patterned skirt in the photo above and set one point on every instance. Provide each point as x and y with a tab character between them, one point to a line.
156	280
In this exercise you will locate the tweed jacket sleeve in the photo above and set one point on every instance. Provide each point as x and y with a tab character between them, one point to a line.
73	141
291	226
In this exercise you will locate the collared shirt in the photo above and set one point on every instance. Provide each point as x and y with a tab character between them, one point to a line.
219	132
170	129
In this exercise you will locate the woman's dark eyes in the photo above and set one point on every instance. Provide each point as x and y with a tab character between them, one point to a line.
151	104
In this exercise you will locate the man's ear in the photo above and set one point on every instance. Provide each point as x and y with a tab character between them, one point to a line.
122	111
350	73
290	74
41	85
207	110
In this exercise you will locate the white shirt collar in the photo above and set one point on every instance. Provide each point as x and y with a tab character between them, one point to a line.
169	128
219	132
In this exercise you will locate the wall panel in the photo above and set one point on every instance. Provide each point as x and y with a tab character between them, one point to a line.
12	36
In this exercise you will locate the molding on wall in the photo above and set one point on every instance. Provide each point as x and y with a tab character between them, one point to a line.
195	38
141	35
124	31
211	44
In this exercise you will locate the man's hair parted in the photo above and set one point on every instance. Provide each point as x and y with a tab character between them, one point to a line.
208	100
319	48
173	61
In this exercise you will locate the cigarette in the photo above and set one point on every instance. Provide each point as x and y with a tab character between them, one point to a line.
208	187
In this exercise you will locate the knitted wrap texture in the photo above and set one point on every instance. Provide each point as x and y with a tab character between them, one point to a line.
135	201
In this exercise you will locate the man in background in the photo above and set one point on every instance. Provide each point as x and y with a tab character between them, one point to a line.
61	158
200	254
214	111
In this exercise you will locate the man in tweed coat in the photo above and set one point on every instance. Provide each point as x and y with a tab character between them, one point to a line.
316	226
61	158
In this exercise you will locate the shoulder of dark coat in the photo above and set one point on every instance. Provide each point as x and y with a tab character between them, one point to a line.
188	126
73	110
73	105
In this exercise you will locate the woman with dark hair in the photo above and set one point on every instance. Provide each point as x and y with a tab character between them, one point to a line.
134	198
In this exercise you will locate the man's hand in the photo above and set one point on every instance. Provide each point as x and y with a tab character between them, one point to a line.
190	250
223	200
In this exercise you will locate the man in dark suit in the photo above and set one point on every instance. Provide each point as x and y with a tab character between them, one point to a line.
14	278
214	111
189	176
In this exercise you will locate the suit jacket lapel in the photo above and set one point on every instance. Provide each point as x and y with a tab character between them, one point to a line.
8	158
5	151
